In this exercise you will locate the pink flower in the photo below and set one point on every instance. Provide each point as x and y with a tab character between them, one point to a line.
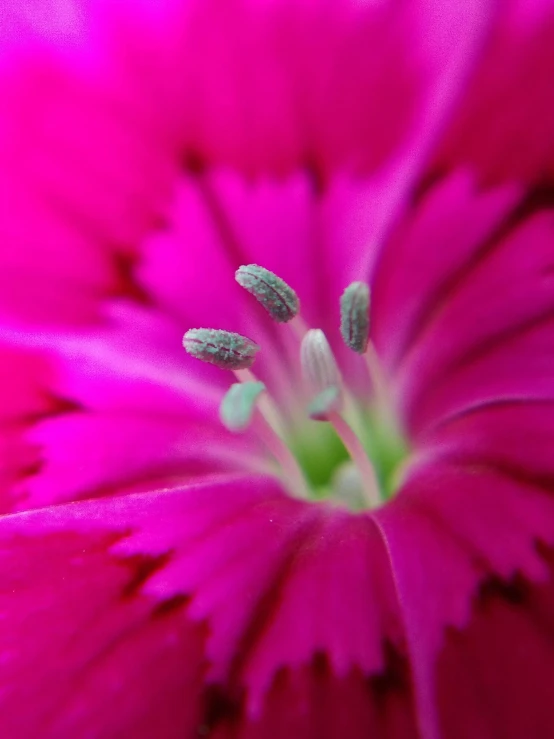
163	576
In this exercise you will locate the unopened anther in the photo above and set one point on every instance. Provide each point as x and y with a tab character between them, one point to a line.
319	366
225	349
238	405
354	316
278	298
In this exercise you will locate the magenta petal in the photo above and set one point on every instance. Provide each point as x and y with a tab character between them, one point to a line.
501	667
434	580
82	652
313	703
311	240
92	137
221	220
516	369
496	518
277	560
489	129
80	642
24	377
271	584
434	242
85	164
493	436
451	529
333	602
275	581
463	302
97	413
369	82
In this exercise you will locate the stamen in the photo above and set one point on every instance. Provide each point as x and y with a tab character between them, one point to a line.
278	298
271	429
354	316
319	365
247	401
225	349
238	405
354	327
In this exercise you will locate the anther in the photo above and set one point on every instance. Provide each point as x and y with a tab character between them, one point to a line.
354	316
225	349
238	405
319	365
278	298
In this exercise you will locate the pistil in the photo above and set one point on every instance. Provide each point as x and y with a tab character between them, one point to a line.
369	482
323	378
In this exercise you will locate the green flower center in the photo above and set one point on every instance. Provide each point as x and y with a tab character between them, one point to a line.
323	457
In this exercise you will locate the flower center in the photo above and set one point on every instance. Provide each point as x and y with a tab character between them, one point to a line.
328	468
342	449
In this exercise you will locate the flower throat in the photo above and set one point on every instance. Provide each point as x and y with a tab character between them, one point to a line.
354	456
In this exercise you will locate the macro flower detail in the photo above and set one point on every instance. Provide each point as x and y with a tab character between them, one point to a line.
336	525
323	388
281	595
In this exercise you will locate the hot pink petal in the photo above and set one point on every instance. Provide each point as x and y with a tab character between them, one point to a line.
463	500
446	533
504	127
100	412
434	241
119	665
272	582
463	301
493	436
369	83
299	543
86	164
310	239
295	601
272	616
512	628
312	702
88	156
504	293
